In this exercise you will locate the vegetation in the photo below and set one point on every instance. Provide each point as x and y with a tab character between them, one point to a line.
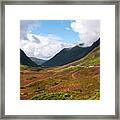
53	96
79	80
23	67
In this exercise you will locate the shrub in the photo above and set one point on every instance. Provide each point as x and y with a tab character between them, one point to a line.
31	77
53	96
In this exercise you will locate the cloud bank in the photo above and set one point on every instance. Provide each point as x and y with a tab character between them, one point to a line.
27	26
88	30
43	47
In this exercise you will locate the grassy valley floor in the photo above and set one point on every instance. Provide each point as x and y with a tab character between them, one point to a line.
79	80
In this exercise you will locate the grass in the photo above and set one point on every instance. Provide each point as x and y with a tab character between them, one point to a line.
53	96
77	95
93	58
36	69
96	96
31	78
23	67
95	61
74	81
72	68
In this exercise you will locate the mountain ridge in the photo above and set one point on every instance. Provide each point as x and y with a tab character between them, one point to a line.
25	60
66	55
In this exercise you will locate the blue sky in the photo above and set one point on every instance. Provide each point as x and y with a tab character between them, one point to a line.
45	38
58	28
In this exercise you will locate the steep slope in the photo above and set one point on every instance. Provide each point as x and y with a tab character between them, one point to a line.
90	60
37	61
25	60
70	55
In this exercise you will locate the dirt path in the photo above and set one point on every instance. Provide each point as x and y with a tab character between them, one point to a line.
73	75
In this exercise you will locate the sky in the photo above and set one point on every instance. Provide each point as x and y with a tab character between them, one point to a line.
45	38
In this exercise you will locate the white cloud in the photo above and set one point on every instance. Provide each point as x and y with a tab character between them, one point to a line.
43	47
27	26
89	31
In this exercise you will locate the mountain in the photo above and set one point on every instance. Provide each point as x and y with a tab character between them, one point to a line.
25	60
37	61
68	55
91	59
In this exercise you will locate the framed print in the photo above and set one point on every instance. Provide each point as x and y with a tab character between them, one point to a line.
60	60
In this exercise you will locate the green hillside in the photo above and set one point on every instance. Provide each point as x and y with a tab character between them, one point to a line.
79	80
92	59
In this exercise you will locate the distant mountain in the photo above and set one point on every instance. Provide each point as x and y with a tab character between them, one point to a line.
25	60
68	55
37	61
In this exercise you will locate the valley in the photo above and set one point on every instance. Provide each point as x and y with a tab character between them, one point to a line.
77	80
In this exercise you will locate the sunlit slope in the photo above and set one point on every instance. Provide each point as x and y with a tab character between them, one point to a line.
79	80
90	60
